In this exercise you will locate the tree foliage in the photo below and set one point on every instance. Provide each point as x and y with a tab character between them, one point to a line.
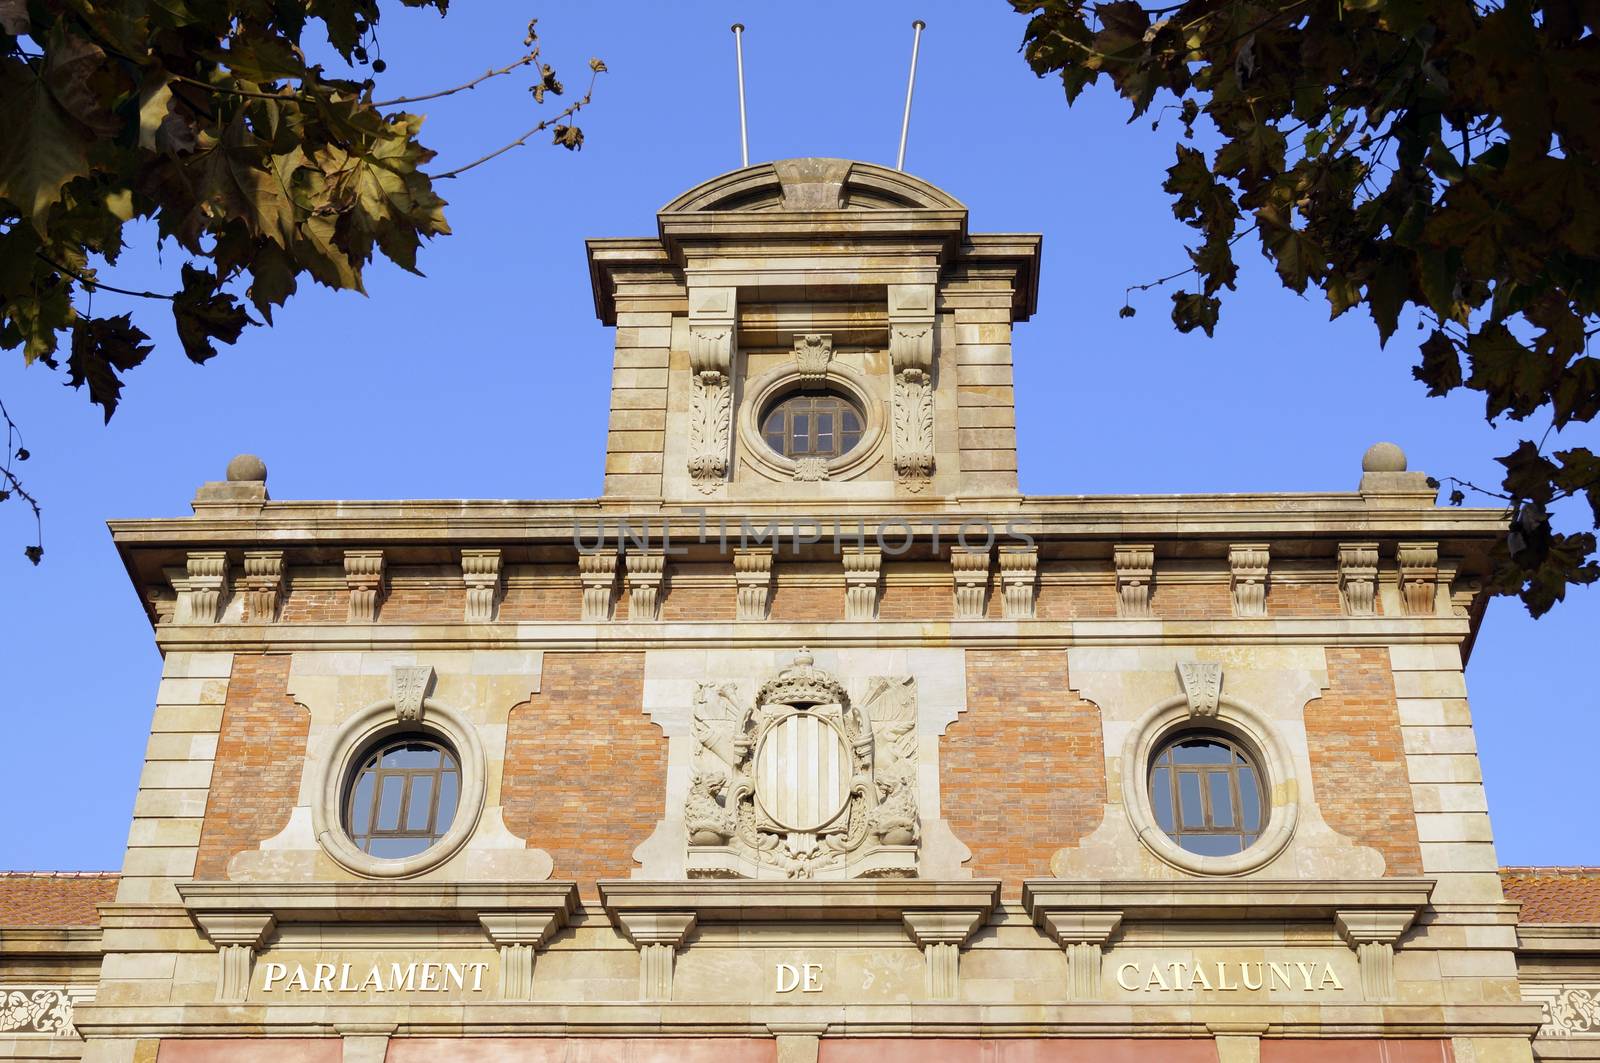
207	118
1434	158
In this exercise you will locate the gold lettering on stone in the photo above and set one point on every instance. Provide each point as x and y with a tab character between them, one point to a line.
806	977
429	977
1227	976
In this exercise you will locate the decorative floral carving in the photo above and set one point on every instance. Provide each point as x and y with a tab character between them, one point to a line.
1572	1013
810	469
33	1010
804	784
710	422
913	428
812	353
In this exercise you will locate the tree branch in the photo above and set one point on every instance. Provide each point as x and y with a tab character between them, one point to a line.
572	109
15	451
94	285
531	57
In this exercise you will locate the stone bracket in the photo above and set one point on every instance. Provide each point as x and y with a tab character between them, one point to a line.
519	936
713	337
863	576
1202	685
481	571
969	568
1248	566
237	936
1358	578
203	588
262	585
940	935
364	576
598	572
1373	935
408	685
1419	578
645	571
1019	580
911	325
658	937
1136	568
752	571
1083	936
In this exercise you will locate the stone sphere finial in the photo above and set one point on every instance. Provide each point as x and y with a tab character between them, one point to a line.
246	468
1383	457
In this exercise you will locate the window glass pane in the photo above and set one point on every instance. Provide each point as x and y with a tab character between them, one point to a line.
800	432
420	806
389	802
1201	751
1249	799
1189	808
449	791
851	422
1221	799
774	426
1211	844
361	803
411	755
1161	798
808	424
398	848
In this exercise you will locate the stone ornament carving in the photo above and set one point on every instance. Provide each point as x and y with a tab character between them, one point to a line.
970	572
812	353
712	331
1249	564
203	588
645	572
804	783
752	571
1373	935
262	585
363	575
1202	685
1083	937
238	936
36	1010
863	575
761	460
408	685
810	470
1136	567
1019	581
1569	1011
1358	578
1419	577
911	323
598	573
480	570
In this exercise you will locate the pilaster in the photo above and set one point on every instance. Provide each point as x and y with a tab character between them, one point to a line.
713	329
911	339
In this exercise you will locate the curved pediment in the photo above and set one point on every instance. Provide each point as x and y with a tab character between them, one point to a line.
813	184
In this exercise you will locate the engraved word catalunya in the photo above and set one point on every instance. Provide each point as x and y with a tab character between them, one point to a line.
1227	976
412	977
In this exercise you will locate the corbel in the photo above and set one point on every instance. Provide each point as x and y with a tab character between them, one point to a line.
598	573
202	588
969	568
519	936
644	572
713	328
408	688
1019	580
658	936
364	575
1136	568
480	569
911	325
1419	577
1248	566
1358	578
863	578
1202	685
1083	936
237	936
1373	935
262	585
813	352
752	571
940	935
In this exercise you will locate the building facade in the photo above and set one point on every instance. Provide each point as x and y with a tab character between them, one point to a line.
811	738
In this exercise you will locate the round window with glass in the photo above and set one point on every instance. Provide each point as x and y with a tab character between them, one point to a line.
1207	794
403	797
812	424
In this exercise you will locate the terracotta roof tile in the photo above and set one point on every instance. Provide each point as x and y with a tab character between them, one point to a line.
1554	894
54	898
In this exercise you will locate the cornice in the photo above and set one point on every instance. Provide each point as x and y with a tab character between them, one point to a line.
1227	899
49	941
1566	938
377	902
853	900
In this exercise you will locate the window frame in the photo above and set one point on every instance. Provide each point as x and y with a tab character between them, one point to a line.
372	762
840	406
1239	756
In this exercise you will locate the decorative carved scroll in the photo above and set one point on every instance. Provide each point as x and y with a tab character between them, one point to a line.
1019	580
1202	685
752	570
970	571
812	353
598	572
646	570
1569	1011
35	1010
363	575
203	588
408	685
1249	564
863	573
1358	578
804	783
262	585
911	323
480	570
1419	577
1136	567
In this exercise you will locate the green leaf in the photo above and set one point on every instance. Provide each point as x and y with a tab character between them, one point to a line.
101	348
41	149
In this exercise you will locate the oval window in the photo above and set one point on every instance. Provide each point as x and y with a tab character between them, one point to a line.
1207	794
812	424
403	797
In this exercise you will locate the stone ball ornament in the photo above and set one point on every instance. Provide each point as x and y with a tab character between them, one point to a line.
247	468
1383	457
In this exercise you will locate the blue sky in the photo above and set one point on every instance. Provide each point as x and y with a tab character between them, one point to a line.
489	377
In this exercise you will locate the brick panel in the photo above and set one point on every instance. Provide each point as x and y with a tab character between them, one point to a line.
542	603
1022	771
315	605
1075	601
799	602
585	770
443	604
260	754
917	602
54	898
1358	761
700	602
1192	601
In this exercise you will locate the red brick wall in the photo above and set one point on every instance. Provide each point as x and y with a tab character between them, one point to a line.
700	601
804	601
585	770
1358	763
260	754
315	605
917	602
1073	601
440	604
1023	769
545	602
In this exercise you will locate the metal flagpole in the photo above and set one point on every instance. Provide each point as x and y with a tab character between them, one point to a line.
911	83
744	138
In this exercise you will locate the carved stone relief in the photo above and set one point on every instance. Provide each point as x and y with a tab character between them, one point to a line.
711	343
911	323
35	1010
803	783
1569	1011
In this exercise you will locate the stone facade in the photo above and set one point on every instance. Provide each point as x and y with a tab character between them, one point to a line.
768	756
